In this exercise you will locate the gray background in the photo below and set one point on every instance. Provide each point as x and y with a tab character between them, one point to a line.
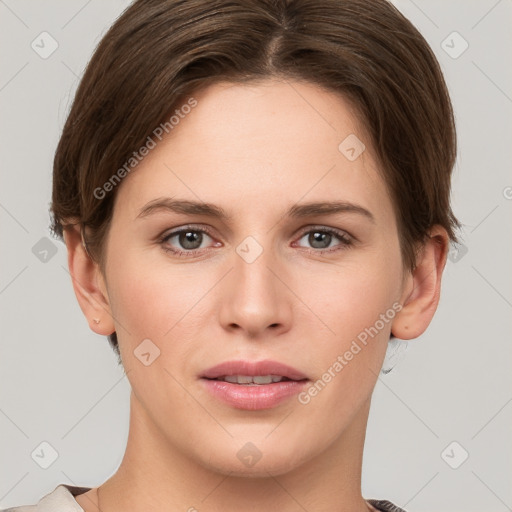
60	383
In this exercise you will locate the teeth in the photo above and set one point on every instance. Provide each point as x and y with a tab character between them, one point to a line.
250	380
263	379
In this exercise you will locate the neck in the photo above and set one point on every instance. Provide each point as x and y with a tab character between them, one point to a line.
154	475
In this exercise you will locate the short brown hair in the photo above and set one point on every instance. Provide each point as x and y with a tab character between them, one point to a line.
159	51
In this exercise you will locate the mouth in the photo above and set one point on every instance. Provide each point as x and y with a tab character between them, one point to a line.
253	385
253	372
252	380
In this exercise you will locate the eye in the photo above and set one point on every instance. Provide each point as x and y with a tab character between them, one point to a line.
321	238
185	241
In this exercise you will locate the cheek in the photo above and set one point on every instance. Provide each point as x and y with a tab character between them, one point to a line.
351	297
149	299
356	303
155	303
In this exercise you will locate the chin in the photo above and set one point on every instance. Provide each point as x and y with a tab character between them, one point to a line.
255	460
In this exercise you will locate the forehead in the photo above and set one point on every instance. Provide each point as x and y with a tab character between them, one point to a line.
245	145
295	112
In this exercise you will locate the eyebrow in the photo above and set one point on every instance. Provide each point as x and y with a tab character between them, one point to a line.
297	211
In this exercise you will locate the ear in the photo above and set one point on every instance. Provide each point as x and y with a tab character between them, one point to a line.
422	287
88	283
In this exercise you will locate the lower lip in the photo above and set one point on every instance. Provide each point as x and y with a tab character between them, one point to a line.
253	398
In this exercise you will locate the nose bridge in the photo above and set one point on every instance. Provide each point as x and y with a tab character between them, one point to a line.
251	270
256	298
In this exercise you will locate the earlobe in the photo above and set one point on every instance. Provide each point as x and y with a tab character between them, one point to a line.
88	283
423	287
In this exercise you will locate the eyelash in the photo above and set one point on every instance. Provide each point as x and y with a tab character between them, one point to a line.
345	239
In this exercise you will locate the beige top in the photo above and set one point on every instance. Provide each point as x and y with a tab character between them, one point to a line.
62	499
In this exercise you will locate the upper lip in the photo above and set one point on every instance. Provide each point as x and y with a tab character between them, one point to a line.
253	368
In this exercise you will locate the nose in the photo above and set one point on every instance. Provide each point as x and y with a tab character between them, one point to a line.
255	299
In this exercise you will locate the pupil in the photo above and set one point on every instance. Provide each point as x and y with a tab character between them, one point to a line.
189	240
317	240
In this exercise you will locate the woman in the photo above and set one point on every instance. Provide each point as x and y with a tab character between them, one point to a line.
254	196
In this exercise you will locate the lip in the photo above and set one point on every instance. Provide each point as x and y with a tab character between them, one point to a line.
253	369
253	397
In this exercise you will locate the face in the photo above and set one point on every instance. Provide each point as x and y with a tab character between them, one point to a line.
265	278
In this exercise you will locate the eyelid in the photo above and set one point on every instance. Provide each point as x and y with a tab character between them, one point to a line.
345	238
208	231
186	227
162	239
336	231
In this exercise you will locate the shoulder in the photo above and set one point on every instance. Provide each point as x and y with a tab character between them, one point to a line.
23	508
383	506
61	499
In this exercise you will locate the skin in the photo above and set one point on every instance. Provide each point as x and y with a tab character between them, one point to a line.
253	150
